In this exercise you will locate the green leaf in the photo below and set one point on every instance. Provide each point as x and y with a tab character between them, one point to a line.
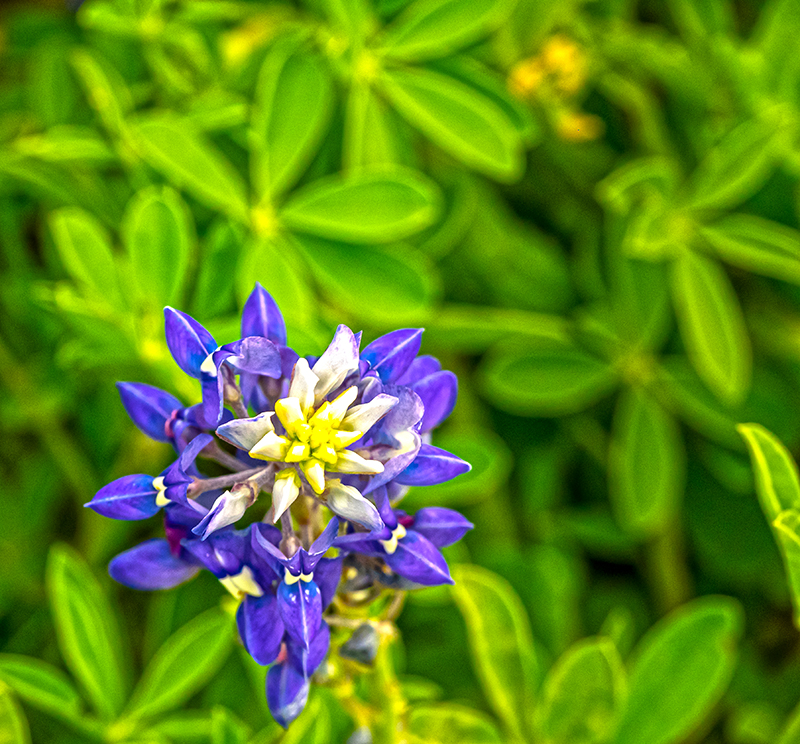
790	733
428	29
680	670
185	157
501	643
184	726
274	263
370	132
552	380
222	246
294	100
583	694
386	285
647	464
66	143
13	724
159	234
468	328
85	250
778	489
186	661
368	207
226	728
635	180
458	118
41	685
105	88
88	634
447	723
712	326
736	168
312	726
757	245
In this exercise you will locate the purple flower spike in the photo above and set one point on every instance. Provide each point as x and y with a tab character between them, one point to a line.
151	565
301	610
418	560
391	355
261	317
260	627
287	693
189	343
442	527
432	465
131	497
438	393
149	408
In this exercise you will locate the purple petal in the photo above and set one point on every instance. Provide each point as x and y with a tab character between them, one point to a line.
261	317
438	393
307	661
287	693
263	544
418	560
421	367
130	497
301	610
257	356
148	407
432	465
327	574
441	527
405	415
358	542
151	565
391	355
189	343
325	540
396	465
192	450
213	400
260	627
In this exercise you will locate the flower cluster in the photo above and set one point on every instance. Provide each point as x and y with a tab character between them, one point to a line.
336	441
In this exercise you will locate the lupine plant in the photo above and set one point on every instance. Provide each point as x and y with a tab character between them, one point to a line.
591	208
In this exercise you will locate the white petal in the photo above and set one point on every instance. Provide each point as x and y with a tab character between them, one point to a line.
314	472
365	416
228	509
242	583
348	503
350	462
337	362
338	407
284	492
302	385
246	433
270	447
290	413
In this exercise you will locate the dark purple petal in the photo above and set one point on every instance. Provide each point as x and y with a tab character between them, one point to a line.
151	565
442	527
405	415
257	356
421	367
418	560
260	627
432	465
327	575
287	693
148	407
261	317
189	343
130	497
384	505
213	400
359	543
301	610
309	560
263	544
438	393
391	355
307	661
203	552
192	450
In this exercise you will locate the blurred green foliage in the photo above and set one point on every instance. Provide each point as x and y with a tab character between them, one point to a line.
592	208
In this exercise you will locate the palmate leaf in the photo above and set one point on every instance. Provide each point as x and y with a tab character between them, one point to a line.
41	685
681	668
501	644
583	694
459	119
778	489
446	723
647	464
88	634
185	662
712	326
371	138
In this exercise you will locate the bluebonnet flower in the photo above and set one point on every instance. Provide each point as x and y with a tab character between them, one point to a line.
345	434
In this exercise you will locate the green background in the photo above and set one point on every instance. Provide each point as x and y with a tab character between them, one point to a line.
591	207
